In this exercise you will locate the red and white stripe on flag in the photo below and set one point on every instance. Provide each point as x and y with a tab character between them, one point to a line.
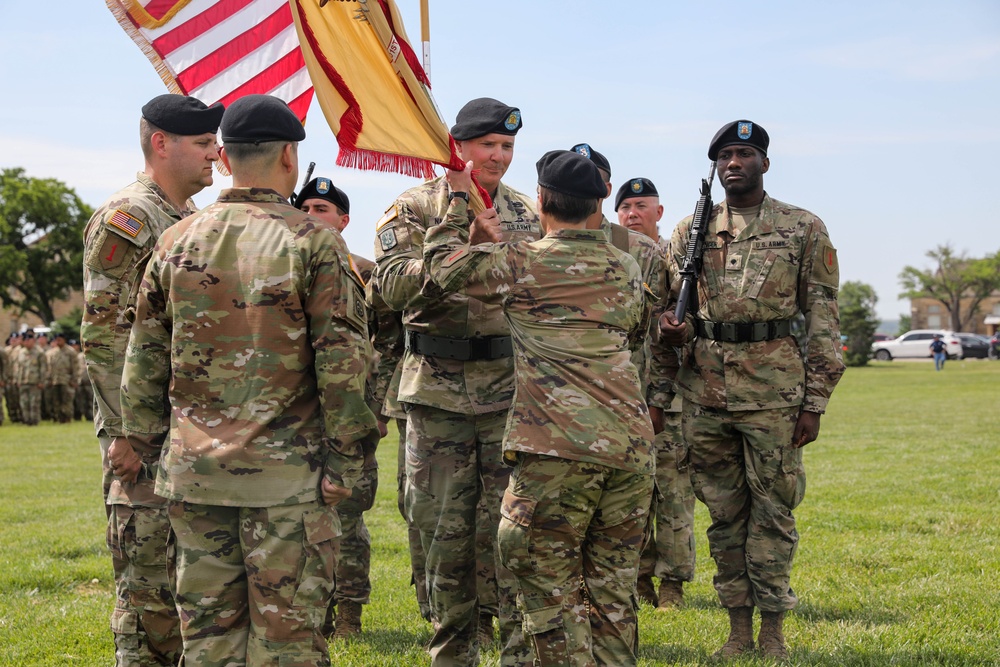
220	50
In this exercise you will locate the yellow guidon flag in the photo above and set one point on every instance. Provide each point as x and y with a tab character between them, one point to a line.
372	88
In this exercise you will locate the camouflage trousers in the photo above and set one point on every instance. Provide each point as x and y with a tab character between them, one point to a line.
453	460
145	623
31	404
746	472
83	401
354	564
61	405
669	552
571	533
13	393
253	584
418	578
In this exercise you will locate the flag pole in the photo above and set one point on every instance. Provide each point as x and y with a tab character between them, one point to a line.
425	35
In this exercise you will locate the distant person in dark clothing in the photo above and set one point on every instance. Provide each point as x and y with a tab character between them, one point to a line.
938	350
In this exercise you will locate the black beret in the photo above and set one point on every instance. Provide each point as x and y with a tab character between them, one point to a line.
323	188
256	119
738	132
483	116
28	334
72	341
597	158
58	334
636	187
182	115
570	174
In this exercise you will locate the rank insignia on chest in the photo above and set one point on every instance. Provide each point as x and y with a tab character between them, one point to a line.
734	263
388	239
126	223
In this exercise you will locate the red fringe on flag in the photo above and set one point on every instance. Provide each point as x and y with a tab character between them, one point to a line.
362	158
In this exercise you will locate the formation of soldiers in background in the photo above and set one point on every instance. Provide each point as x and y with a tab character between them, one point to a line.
476	458
44	380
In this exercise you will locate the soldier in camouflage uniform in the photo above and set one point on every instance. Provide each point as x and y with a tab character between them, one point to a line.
322	199
669	554
62	378
457	384
32	377
4	378
578	432
752	398
11	390
83	400
178	139
247	365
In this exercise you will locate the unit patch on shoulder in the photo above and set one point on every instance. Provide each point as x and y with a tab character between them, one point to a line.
388	239
126	222
830	258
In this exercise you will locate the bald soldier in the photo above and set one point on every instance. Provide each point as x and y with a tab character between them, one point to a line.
752	397
669	555
177	137
246	371
324	200
457	380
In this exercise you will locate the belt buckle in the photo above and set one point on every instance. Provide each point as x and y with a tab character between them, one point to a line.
761	331
727	332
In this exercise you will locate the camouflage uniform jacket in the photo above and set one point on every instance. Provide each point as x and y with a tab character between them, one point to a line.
657	388
62	365
250	350
117	242
465	387
4	366
32	367
574	304
388	343
780	265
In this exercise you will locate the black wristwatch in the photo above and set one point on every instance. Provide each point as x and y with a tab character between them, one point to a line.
458	195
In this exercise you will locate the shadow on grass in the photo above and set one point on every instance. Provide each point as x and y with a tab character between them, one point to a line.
868	615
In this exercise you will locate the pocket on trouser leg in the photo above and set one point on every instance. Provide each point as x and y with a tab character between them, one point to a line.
516	515
545	630
793	483
321	529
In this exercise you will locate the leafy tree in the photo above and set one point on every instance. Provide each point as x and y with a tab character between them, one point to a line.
41	242
955	277
858	320
905	324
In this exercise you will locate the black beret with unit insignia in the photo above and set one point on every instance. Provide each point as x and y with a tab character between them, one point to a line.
738	132
182	115
597	158
572	174
257	119
483	116
636	187
323	188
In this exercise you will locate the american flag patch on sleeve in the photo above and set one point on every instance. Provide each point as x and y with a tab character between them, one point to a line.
127	223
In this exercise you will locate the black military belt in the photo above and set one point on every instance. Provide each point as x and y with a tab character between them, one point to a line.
743	332
485	348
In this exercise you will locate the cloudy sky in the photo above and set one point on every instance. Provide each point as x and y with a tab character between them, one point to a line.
877	110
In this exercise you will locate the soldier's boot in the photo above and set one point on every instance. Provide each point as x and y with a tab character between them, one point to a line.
740	634
348	623
671	595
645	591
485	630
771	639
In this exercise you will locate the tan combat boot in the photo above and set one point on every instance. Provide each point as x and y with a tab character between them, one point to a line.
485	631
771	640
740	634
645	591
671	595
348	622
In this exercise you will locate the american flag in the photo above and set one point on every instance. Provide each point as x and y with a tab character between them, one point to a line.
126	223
220	50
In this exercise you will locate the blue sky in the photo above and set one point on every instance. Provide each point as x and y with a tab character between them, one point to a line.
884	116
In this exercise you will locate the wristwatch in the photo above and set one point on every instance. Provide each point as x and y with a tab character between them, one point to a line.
458	195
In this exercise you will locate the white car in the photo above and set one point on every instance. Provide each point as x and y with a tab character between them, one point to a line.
916	344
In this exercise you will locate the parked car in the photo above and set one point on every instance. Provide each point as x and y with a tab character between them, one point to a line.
879	337
995	346
916	344
974	346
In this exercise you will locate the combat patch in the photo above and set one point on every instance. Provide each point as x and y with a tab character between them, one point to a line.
826	270
111	254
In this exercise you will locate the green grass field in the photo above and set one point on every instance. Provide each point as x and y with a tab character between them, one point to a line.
898	564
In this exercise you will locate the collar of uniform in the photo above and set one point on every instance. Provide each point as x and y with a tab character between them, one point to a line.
579	234
765	222
153	186
252	194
